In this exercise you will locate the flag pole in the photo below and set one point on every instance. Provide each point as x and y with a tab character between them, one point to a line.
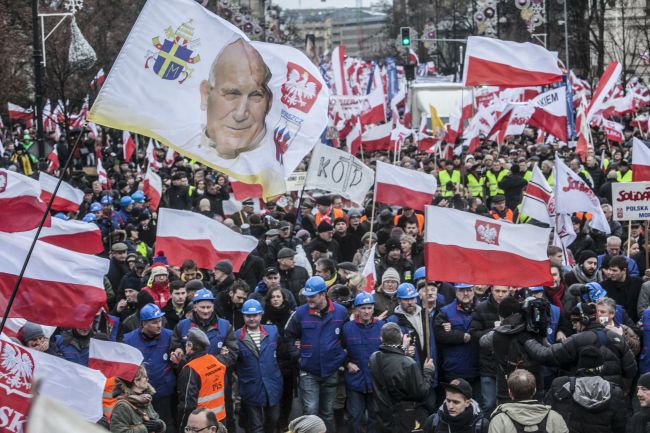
14	292
372	213
647	250
629	236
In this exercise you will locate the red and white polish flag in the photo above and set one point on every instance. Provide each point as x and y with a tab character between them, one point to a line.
339	72
114	359
73	235
353	139
16	112
60	287
184	234
128	145
640	161
53	161
537	198
101	172
14	326
550	113
404	187
67	199
605	86
491	252
493	62
152	188
369	272
613	131
21	207
376	138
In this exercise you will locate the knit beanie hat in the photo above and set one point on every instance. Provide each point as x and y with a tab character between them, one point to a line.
159	269
307	424
30	331
390	274
586	255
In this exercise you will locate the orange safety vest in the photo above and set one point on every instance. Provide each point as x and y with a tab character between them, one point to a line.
108	401
418	217
213	375
334	213
510	215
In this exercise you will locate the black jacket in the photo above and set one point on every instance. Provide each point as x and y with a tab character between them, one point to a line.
640	422
403	267
276	245
294	280
396	378
252	270
227	310
625	293
178	197
588	404
349	245
483	318
619	361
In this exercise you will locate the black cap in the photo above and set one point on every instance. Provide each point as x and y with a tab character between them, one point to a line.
644	380
498	198
324	200
324	226
461	386
271	270
348	266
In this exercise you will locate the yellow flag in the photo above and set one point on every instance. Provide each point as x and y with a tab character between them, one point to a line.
436	122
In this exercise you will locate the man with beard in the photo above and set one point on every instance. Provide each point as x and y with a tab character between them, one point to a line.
585	271
393	259
118	266
153	341
228	304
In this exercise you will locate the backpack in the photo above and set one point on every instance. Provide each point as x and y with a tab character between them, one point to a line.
521	428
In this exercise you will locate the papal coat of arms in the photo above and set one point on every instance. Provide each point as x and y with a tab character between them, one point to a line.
174	57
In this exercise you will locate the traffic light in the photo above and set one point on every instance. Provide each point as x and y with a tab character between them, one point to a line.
405	34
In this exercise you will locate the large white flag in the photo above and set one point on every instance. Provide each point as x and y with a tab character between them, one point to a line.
250	109
572	194
339	172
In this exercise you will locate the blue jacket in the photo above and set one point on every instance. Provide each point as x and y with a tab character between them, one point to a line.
361	341
260	378
632	267
156	359
644	360
552	326
321	353
459	359
71	350
406	327
217	334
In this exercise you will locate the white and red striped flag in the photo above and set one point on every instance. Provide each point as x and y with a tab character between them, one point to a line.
537	198
77	280
376	138
73	235
640	161
21	207
605	86
353	139
102	176
369	272
98	80
16	112
152	188
493	62
550	113
183	234
339	72
114	359
67	199
53	159
404	187
128	145
151	155
491	252
613	131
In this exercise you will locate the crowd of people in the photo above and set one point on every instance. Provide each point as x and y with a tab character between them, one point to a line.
293	332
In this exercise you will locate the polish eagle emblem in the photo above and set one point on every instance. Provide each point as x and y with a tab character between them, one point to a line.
301	89
487	232
16	369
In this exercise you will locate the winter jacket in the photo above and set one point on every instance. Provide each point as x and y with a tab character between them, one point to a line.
526	413
406	326
619	361
128	417
72	347
260	291
644	298
459	359
361	341
588	404
227	310
260	378
156	359
252	270
321	353
471	420
294	280
396	378
384	302
403	267
484	318
625	293
276	245
178	197
218	330
644	359
640	422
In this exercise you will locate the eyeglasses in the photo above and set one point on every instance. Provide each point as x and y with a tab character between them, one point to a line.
194	430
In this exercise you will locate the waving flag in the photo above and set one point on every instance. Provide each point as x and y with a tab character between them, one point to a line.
605	86
128	146
493	62
550	113
492	252
102	176
339	72
16	112
114	359
21	208
369	272
249	109
537	198
73	235
404	187
376	138
640	161
67	199
182	234
152	188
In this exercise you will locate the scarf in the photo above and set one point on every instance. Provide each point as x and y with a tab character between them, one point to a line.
582	277
555	296
460	422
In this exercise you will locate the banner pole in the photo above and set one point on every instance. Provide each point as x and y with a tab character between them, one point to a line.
14	292
372	213
629	237
647	252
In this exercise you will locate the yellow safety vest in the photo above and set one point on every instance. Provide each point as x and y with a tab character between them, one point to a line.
445	178
528	175
627	177
493	181
475	186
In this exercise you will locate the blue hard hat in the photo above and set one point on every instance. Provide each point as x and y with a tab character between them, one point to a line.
138	197
203	295
463	286
363	299
95	207
420	273
106	200
314	286
126	201
406	291
252	307
151	312
536	289
89	218
596	292
61	216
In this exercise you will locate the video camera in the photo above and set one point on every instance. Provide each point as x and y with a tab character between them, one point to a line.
537	314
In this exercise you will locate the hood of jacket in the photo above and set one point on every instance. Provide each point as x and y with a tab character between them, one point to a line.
527	413
514	324
591	392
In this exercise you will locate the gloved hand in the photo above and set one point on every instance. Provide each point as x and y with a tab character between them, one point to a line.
154	425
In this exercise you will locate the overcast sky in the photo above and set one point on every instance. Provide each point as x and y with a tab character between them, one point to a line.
318	4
